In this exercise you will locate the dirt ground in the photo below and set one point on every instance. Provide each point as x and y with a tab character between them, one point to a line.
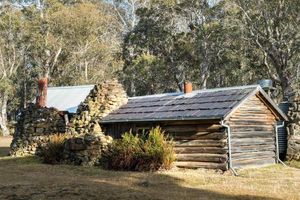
28	179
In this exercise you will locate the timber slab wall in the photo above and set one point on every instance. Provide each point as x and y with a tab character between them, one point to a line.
253	136
197	144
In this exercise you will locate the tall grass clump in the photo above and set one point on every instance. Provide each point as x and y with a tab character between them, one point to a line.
147	152
52	152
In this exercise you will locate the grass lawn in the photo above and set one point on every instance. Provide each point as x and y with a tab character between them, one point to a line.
26	178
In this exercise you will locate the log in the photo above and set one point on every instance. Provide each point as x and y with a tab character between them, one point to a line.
251	141
202	136
218	158
253	155
252	148
238	128
253	162
191	128
246	122
258	134
247	115
206	165
216	150
201	143
252	118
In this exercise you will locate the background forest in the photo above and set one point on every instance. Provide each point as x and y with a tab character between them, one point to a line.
151	46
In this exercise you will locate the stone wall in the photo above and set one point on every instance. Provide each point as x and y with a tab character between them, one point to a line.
35	125
293	151
85	150
33	129
103	99
294	115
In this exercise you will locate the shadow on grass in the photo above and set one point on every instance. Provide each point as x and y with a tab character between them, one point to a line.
27	178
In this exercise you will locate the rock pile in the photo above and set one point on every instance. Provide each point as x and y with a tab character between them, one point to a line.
33	129
293	151
85	150
294	115
103	99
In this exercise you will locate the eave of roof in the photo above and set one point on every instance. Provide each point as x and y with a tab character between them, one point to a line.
163	119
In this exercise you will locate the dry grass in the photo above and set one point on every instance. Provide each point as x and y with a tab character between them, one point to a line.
27	178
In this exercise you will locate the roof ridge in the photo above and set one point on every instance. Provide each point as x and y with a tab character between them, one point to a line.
71	87
198	91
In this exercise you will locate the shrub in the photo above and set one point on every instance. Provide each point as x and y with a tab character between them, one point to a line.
52	152
160	147
147	152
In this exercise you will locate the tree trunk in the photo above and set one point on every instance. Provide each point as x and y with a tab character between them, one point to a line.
3	114
23	103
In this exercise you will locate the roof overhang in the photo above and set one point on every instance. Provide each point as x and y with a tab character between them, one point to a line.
162	119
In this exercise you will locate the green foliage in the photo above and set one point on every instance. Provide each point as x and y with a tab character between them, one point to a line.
148	152
157	147
6	86
52	152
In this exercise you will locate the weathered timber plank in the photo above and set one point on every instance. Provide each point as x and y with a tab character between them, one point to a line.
196	128
206	165
253	162
254	107
199	133
252	148
197	136
251	120
245	114
252	123
252	112
251	126
251	129
258	134
201	143
253	155
253	143
249	141
186	150
218	158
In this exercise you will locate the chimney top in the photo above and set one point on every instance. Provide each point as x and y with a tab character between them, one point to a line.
41	98
188	87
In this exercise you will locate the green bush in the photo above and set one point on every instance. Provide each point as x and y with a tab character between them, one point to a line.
52	152
147	152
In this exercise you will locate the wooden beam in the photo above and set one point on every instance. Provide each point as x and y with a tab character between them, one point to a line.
206	165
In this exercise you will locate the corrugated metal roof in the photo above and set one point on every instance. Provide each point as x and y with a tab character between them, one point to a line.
200	104
67	98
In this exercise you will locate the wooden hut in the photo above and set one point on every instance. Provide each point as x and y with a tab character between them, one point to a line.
216	128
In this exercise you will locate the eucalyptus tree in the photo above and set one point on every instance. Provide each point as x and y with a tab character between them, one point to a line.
271	29
10	57
178	36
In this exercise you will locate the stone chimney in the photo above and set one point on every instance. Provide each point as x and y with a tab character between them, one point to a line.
41	97
188	87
